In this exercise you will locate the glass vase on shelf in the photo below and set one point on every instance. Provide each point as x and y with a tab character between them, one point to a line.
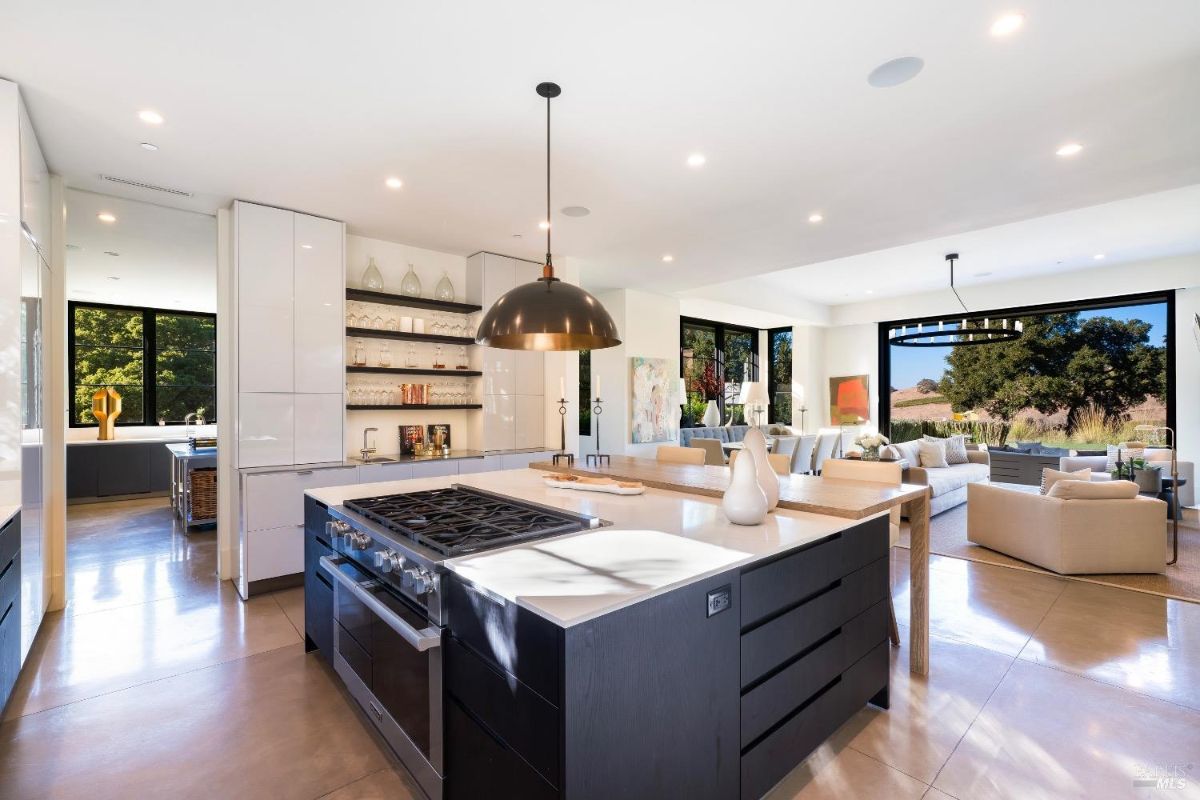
359	357
411	285
385	355
462	358
438	361
410	360
444	289
372	278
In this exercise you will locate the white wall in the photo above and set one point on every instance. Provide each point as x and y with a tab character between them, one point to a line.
1187	374
10	295
809	380
393	260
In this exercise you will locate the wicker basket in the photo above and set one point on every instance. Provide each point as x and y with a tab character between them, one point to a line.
203	492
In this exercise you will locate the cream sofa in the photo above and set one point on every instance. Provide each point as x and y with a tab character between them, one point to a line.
1187	470
947	485
1070	537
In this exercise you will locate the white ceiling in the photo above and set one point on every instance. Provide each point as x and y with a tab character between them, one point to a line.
1151	226
167	258
310	105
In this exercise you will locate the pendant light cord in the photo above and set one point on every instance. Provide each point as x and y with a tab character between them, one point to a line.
956	294
548	271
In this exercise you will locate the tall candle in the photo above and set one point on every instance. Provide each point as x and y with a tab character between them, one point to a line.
596	384
562	388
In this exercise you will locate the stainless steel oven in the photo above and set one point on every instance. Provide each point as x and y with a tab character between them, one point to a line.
389	654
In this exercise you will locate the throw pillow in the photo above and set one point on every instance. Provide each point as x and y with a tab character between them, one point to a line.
1053	476
956	447
1088	490
1128	450
933	454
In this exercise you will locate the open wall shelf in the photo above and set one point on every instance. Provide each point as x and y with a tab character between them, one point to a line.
412	407
435	338
460	373
389	299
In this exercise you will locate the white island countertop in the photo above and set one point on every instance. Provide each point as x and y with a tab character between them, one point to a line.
657	542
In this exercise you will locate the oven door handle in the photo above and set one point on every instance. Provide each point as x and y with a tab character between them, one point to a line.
422	640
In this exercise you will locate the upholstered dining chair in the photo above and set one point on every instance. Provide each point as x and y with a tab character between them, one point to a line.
802	462
780	463
873	472
679	455
787	446
713	454
823	449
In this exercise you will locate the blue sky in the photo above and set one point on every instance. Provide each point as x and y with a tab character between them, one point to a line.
911	364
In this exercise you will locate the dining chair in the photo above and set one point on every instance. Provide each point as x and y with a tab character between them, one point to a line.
803	460
780	463
890	473
680	455
823	449
713	454
787	446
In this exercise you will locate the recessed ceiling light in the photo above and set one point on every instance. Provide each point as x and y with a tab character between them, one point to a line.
815	218
1008	24
113	278
668	258
516	236
1069	149
696	160
74	247
150	117
982	274
1099	256
393	183
576	211
544	225
306	246
106	216
113	253
895	72
149	146
870	291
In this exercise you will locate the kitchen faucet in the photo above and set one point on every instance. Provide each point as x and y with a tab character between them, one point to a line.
187	424
367	451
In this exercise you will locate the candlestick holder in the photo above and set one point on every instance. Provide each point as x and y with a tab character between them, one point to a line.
562	453
597	457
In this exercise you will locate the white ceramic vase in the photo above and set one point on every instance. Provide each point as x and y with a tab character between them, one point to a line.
744	502
755	445
712	415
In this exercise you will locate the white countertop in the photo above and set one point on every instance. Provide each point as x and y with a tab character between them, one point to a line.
7	512
658	541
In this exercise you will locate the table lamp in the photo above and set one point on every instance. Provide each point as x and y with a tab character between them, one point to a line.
754	396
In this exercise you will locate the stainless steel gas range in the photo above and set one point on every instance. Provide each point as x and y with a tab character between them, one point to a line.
387	572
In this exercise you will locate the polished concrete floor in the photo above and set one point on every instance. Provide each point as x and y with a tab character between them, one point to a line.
158	682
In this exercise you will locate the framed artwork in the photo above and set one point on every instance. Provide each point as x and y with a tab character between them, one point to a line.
849	400
438	436
653	414
412	439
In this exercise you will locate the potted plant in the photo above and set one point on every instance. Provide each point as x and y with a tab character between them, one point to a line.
710	387
1146	474
870	444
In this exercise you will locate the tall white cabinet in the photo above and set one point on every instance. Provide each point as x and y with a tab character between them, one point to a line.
289	273
513	385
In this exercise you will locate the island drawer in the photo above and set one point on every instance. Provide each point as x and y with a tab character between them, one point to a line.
10	583
518	716
774	586
480	765
773	699
773	643
10	540
512	639
768	761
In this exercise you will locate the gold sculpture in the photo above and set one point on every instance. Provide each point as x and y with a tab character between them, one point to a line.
106	407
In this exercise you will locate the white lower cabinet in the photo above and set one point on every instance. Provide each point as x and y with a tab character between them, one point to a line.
318	434
275	552
266	429
376	473
522	460
469	466
435	469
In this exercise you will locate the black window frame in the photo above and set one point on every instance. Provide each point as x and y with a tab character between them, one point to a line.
772	408
584	393
719	331
1093	304
149	360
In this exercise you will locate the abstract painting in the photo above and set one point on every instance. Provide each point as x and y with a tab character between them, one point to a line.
653	416
849	400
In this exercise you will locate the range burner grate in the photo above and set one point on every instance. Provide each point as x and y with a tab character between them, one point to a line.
461	520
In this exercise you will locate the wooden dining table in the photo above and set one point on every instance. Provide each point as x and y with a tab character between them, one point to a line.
816	495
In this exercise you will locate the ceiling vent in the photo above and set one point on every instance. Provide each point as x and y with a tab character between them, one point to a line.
150	186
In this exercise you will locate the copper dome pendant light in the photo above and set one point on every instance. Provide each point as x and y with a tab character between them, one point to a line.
547	314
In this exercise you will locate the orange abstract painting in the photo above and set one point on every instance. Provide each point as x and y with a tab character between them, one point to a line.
849	400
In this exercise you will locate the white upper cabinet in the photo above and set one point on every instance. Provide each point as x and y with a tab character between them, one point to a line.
265	306
319	435
319	305
266	429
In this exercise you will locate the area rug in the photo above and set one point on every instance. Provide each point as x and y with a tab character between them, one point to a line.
948	537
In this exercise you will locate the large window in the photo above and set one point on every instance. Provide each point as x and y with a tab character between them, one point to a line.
715	360
779	375
1082	376
163	363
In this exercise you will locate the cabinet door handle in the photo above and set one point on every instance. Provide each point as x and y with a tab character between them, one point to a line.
304	472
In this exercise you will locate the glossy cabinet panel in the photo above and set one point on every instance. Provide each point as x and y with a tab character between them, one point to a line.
266	429
529	372
265	308
377	473
319	305
274	552
499	371
276	499
528	421
435	469
499	413
318	428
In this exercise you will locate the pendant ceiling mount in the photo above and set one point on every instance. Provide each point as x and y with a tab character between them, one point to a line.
962	332
547	314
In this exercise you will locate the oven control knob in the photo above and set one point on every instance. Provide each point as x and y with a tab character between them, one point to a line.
359	541
336	529
419	580
393	561
380	558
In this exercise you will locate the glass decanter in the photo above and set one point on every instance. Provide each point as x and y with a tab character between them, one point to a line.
372	278
411	285
438	362
462	358
360	354
385	355
444	289
410	360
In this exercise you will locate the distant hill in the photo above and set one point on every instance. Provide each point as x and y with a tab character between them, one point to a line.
1150	410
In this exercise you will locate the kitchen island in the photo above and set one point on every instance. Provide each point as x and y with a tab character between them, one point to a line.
667	654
